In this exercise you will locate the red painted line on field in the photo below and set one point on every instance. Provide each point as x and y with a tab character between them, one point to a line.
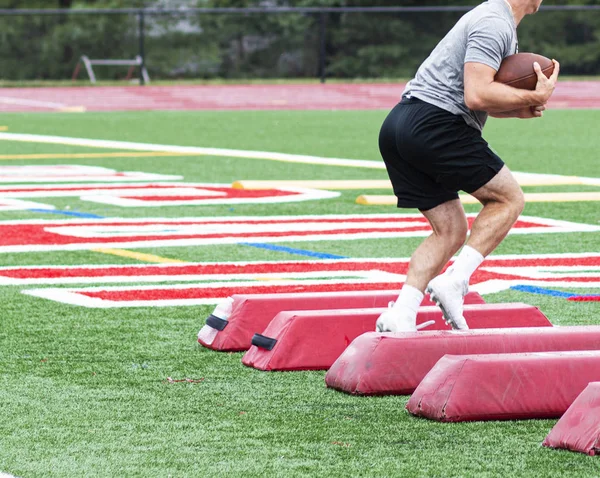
290	268
49	233
568	94
204	293
585	298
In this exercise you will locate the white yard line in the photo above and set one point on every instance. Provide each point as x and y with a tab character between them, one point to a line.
231	153
8	100
533	179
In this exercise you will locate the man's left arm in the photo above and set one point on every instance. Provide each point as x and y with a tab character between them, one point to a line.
522	113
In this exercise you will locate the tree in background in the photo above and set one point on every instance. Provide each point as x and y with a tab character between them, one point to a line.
367	45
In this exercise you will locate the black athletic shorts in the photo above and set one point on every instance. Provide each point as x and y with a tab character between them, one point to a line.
431	154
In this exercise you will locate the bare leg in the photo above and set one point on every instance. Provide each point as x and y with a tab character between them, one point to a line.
502	201
449	225
450	228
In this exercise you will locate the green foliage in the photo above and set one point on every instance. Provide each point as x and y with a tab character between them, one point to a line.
282	45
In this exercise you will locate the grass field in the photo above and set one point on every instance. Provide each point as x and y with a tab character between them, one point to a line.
85	392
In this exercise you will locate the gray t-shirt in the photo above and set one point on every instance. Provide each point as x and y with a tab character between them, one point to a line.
487	34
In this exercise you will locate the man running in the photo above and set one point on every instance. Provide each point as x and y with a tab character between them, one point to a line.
432	147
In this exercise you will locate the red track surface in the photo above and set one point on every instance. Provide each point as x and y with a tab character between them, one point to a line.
568	94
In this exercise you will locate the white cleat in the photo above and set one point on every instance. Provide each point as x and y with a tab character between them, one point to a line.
449	296
393	320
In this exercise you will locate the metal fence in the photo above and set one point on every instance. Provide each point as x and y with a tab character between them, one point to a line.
358	42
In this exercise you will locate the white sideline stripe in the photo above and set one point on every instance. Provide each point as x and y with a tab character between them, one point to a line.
232	153
8	100
6	475
526	178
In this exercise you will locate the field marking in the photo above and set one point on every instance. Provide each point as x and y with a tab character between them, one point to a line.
123	154
529	179
39	235
8	100
524	179
140	256
163	194
314	184
9	204
231	153
64	173
86	215
545	268
51	105
388	200
182	196
75	296
291	250
3	128
84	297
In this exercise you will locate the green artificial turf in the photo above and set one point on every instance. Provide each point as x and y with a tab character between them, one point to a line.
86	392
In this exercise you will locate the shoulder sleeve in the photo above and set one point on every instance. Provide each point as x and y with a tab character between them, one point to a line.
488	42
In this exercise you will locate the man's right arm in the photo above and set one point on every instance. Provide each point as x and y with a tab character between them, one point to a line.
482	93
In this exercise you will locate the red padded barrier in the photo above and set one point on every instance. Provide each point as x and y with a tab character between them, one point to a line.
252	312
394	364
579	427
314	339
462	388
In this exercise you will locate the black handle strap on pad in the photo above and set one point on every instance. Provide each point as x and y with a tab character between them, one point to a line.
216	322
263	342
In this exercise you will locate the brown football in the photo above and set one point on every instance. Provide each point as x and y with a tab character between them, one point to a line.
517	70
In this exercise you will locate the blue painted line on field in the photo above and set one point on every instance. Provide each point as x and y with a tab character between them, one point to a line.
542	291
291	250
86	215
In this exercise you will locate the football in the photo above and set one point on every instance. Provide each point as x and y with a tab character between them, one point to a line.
517	70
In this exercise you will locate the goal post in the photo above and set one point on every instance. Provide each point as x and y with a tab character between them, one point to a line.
89	64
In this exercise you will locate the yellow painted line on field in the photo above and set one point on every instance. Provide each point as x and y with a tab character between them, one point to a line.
3	128
388	200
140	256
314	184
376	200
535	179
123	154
72	109
562	197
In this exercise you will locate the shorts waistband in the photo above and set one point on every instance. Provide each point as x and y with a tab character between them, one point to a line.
410	100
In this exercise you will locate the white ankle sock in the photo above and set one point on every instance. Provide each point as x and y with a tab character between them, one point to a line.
466	263
410	299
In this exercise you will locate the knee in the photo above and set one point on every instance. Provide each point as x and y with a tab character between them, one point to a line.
512	203
454	232
520	203
517	204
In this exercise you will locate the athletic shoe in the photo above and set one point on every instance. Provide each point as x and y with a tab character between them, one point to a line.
394	320
449	295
